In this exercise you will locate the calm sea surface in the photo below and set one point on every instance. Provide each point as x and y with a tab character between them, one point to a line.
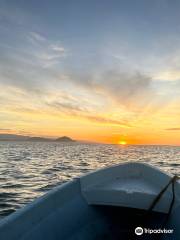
28	170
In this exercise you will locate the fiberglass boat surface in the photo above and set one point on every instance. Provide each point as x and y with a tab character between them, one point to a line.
106	204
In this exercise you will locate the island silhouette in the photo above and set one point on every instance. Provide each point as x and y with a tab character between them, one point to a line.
14	137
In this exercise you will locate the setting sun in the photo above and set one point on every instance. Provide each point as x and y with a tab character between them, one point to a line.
122	142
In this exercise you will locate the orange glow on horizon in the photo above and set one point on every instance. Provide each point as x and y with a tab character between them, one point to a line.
152	128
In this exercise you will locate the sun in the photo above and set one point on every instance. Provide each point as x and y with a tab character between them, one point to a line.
122	142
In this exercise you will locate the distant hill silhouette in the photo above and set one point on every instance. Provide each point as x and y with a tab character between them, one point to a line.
64	139
39	139
14	137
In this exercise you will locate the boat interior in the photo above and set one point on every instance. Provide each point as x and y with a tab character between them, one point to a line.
104	223
100	206
116	223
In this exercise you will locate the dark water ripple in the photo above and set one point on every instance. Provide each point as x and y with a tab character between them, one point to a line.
28	170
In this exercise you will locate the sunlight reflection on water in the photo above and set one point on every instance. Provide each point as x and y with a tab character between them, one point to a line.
28	170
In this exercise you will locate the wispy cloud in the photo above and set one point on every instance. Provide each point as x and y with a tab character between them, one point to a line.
5	129
46	51
36	37
57	48
173	129
73	107
108	121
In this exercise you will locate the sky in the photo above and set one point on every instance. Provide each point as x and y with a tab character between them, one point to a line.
104	71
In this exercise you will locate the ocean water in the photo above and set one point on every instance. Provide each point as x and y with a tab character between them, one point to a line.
30	169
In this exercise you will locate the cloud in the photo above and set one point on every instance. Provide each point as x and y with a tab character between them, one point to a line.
36	37
5	129
173	129
123	85
28	67
108	121
57	48
47	52
20	77
37	48
120	86
171	75
48	56
75	108
67	107
63	106
45	45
